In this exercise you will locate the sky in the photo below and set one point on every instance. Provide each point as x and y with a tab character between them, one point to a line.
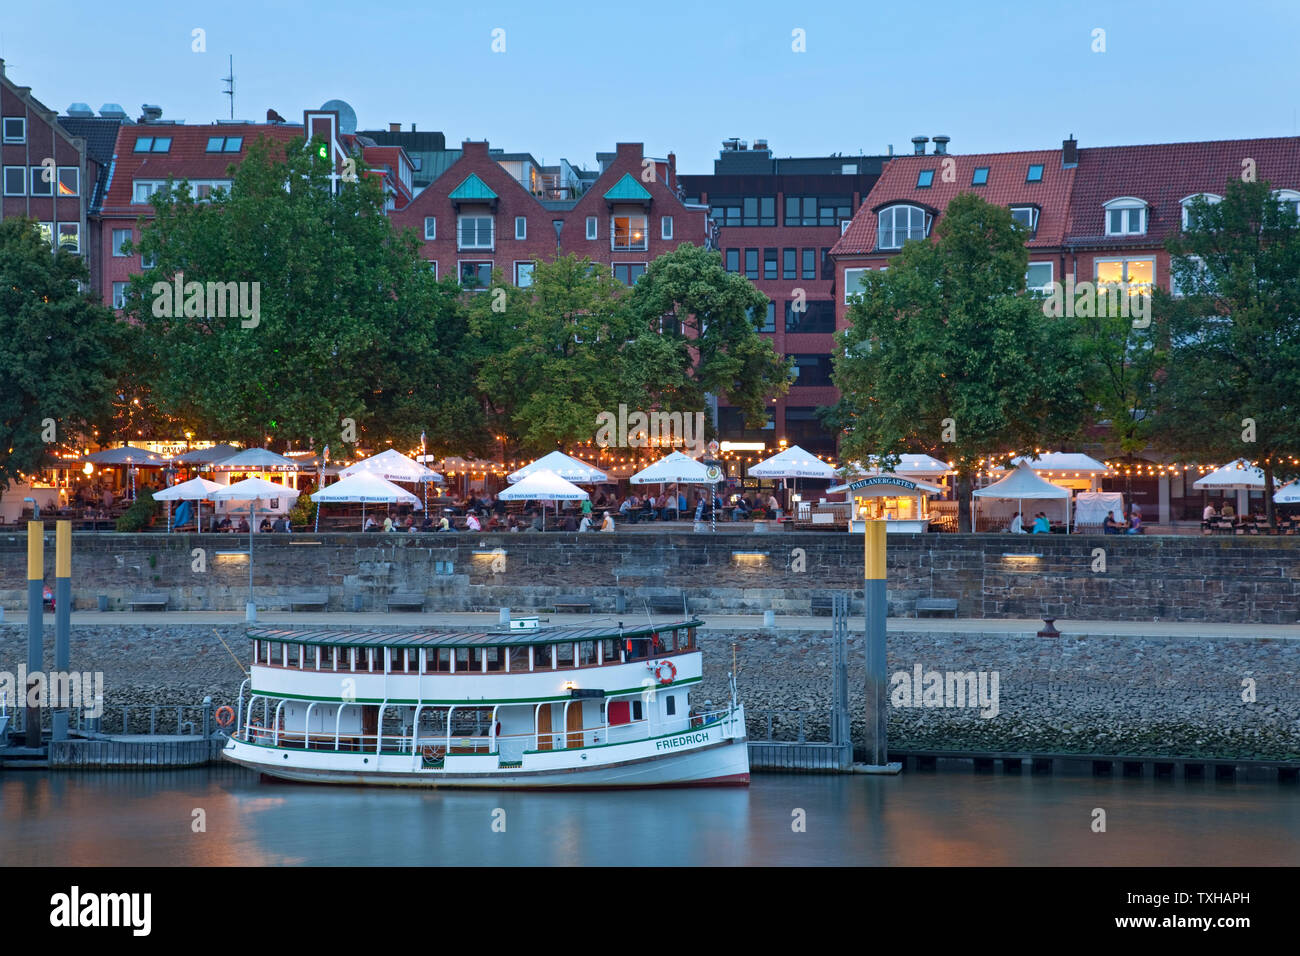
569	80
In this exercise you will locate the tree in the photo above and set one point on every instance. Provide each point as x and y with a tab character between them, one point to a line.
709	342
946	352
60	350
1233	372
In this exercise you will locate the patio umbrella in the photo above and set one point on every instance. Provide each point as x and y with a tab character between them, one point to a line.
1289	494
196	489
253	491
794	462
543	486
130	456
391	465
363	487
1239	475
256	459
206	456
565	466
675	468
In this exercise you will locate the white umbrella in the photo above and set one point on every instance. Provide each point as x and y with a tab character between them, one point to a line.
1022	483
196	489
794	462
543	486
391	465
1237	475
206	456
253	491
363	487
674	468
565	466
1288	495
256	459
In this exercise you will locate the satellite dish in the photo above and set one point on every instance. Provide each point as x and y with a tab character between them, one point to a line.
347	115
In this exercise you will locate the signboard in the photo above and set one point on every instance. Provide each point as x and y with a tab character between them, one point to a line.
580	693
713	474
883	480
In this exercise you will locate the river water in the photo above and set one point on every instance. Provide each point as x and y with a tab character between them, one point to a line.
936	818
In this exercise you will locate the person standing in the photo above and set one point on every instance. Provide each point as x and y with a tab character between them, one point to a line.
774	506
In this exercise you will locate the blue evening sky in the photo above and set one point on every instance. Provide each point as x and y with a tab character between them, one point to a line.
577	77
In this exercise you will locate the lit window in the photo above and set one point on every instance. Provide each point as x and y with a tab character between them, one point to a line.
924	178
1035	174
899	224
629	233
980	177
1139	274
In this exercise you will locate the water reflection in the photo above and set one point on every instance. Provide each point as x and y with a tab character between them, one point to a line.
948	818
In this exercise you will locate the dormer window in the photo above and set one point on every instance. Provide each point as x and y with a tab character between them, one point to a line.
1126	216
1289	198
899	224
1189	215
1027	216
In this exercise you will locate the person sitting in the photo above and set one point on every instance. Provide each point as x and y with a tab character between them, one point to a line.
265	526
224	524
1112	524
281	524
585	523
444	523
741	509
427	523
1041	524
648	512
493	524
608	523
1135	524
1017	525
538	522
1229	512
371	524
625	510
243	526
472	522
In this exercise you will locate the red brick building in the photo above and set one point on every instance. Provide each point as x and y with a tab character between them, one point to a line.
478	217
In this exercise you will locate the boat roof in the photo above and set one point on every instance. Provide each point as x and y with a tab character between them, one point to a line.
404	637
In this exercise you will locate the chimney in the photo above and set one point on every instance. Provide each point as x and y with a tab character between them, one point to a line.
151	113
918	145
672	170
1069	152
394	127
760	144
412	127
941	145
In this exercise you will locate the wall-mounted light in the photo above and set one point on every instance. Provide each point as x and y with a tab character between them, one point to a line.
230	557
749	557
1021	557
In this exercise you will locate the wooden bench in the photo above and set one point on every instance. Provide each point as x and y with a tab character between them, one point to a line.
148	600
407	599
571	602
936	604
317	599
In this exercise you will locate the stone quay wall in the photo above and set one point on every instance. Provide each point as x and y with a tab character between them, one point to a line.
1168	578
1139	696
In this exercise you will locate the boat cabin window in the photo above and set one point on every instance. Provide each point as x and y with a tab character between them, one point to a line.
462	659
328	661
476	659
373	660
406	659
564	655
276	653
609	652
496	660
676	639
294	655
670	705
586	653
636	710
519	658
690	639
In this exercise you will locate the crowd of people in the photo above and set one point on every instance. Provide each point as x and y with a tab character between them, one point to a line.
1131	523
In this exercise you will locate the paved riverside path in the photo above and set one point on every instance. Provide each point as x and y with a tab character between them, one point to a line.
712	622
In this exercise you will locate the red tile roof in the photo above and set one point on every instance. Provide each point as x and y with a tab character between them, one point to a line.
1165	174
187	158
1006	186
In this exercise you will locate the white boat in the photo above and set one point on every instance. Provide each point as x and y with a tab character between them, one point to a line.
524	706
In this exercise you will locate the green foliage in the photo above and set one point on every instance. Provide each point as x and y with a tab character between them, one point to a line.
949	333
303	511
141	513
60	351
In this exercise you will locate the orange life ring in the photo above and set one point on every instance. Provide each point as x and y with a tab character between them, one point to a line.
672	672
229	716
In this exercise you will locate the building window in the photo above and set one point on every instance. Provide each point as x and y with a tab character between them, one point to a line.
40	185
789	263
1035	173
1039	276
666	227
1202	278
1140	274
153	144
1026	216
725	212
769	263
148	260
628	272
817	211
1289	198
119	294
1126	217
46	230
767	211
591	227
812	370
15	129
120	238
476	275
629	233
809	264
69	181
144	189
900	224
225	144
1188	214
751	263
432	265
733	260
70	236
430	228
828	264
474	232
15	180
816	316
523	274
854	282
980	176
521	227
924	179
769	318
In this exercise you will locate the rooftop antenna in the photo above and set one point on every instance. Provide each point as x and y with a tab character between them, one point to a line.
229	80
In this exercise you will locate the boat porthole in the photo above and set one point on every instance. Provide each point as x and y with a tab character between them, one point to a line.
286	756
365	760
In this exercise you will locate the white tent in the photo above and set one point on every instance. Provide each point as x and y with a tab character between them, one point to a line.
1022	483
1237	475
391	465
1065	463
256	459
196	489
674	468
253	491
365	488
206	456
562	465
794	462
543	486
